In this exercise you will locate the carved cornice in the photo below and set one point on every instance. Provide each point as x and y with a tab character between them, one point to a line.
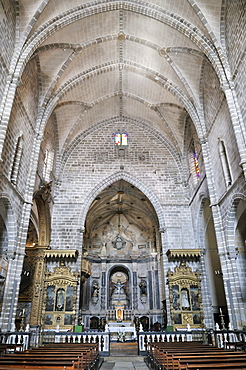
61	253
182	272
63	274
183	254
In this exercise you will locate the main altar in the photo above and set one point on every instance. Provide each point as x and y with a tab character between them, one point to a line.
121	332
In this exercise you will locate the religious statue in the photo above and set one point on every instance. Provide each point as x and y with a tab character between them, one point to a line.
95	292
60	299
119	288
137	323
143	287
103	323
95	289
185	300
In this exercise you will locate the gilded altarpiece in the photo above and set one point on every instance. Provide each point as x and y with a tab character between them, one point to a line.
59	301
185	297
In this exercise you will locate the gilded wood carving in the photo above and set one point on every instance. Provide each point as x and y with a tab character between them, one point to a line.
59	301
185	297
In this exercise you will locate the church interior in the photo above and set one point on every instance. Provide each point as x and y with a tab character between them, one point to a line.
123	165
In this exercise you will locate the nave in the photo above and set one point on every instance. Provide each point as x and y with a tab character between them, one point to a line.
122	169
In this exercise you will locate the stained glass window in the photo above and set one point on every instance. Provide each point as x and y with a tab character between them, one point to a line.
196	165
124	138
120	139
117	139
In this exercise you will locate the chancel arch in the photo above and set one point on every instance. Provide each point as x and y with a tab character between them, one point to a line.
134	183
123	249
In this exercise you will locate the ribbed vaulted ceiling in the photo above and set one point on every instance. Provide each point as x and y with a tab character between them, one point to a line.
127	59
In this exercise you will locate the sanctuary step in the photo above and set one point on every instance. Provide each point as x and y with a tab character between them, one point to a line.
123	349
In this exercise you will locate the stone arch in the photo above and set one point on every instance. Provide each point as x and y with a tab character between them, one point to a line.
122	175
213	285
231	218
200	220
236	237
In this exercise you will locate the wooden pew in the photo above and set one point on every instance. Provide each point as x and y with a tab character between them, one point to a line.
5	347
90	351
241	346
187	362
184	356
225	366
68	356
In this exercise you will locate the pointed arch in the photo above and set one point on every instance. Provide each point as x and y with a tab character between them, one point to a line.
231	218
122	175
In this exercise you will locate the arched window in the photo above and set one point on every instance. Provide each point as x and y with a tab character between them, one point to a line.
225	163
194	164
121	139
17	159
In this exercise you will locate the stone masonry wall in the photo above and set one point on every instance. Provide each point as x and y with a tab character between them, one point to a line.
96	158
22	123
7	40
219	128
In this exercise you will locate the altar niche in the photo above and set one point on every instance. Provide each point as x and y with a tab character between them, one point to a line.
119	295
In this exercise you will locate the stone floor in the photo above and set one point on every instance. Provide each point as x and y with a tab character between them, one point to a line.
124	363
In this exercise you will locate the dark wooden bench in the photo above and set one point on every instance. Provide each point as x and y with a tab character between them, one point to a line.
184	356
6	347
241	346
68	356
219	366
184	362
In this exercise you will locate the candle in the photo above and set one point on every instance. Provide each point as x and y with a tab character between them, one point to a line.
220	311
